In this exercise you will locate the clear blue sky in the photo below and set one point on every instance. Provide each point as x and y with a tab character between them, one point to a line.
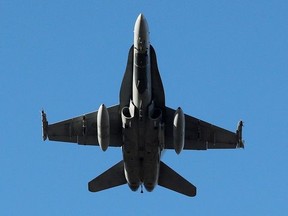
221	61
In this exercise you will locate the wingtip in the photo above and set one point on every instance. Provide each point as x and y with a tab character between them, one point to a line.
44	125
239	134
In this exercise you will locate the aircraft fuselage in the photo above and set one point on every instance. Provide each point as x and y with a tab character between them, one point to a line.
141	143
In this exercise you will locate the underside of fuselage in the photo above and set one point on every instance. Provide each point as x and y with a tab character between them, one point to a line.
143	131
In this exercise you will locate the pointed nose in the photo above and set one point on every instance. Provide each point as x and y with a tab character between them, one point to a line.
141	33
141	25
141	18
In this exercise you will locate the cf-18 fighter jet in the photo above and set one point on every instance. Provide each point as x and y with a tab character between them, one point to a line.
142	126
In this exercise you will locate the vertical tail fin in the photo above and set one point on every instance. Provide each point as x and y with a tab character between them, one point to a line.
168	178
111	178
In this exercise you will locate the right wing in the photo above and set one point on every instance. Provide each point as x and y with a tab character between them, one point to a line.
83	129
201	135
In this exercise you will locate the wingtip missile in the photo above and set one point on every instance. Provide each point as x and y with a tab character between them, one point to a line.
239	134
44	126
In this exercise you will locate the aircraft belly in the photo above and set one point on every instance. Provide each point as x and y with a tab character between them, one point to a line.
141	154
141	97
151	170
131	157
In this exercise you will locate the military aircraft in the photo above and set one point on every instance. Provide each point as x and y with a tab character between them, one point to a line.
142	126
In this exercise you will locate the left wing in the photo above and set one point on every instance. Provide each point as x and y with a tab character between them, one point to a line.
201	135
83	129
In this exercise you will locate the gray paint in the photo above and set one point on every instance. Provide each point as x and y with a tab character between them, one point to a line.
142	126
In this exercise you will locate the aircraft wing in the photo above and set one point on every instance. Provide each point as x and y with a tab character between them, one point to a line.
201	135
83	129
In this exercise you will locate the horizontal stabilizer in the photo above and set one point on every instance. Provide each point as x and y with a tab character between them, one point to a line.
168	178
111	178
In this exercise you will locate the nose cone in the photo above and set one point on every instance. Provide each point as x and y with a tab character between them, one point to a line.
141	33
141	24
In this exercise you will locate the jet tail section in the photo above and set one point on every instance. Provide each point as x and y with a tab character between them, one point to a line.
168	178
111	178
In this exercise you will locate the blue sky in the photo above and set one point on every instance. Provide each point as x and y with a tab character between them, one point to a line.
221	61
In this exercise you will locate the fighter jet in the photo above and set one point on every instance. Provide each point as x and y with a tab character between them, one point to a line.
143	126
